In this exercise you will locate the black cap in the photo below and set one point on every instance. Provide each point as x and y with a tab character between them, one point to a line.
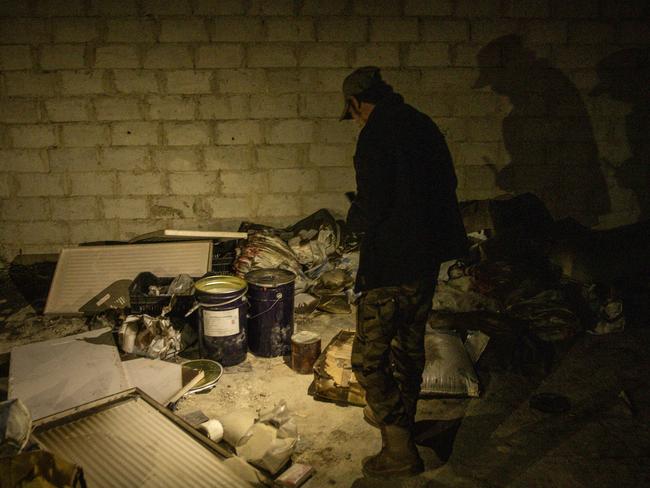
357	82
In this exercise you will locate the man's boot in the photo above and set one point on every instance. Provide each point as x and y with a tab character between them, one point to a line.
398	456
369	416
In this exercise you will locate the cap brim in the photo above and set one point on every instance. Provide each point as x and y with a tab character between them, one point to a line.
346	111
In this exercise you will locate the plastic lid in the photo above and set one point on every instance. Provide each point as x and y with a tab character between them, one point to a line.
220	284
268	278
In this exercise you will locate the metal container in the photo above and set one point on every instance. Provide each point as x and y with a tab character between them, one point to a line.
270	320
305	349
222	318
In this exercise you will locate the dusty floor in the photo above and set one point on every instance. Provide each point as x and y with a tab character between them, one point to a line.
499	440
495	440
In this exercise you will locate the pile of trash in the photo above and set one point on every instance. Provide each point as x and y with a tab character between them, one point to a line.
314	250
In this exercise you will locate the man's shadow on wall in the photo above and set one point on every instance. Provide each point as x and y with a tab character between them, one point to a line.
547	134
624	76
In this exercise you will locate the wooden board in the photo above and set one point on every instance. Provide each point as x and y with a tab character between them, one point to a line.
179	235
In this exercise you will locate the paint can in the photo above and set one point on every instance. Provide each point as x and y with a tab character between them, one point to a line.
270	319
305	349
222	305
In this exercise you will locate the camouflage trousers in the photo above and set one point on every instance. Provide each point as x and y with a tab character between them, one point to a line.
388	350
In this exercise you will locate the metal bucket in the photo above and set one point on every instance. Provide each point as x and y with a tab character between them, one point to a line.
222	318
270	320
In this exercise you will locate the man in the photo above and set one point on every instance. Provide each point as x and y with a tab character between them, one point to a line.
407	211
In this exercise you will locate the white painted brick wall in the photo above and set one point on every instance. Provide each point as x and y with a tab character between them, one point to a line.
231	207
125	208
39	185
62	56
223	107
188	82
15	58
293	180
243	183
74	208
92	183
21	209
291	131
141	183
181	207
117	56
228	157
76	159
176	159
134	133
130	30
274	106
133	81
113	108
75	30
134	159
171	107
84	134
278	156
67	109
168	56
438	8
238	132
28	83
193	183
220	56
83	82
278	205
22	161
33	135
187	133
183	30
118	117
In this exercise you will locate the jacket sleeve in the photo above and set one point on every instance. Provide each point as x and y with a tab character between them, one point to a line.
374	168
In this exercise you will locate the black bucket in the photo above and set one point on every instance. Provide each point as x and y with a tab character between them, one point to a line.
270	319
222	318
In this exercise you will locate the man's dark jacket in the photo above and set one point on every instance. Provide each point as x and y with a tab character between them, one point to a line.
406	198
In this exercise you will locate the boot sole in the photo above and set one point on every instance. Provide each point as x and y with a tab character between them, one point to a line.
371	422
413	470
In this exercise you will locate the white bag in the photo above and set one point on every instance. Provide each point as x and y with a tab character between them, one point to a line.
448	369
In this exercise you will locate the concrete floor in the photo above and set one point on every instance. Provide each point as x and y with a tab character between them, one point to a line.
493	441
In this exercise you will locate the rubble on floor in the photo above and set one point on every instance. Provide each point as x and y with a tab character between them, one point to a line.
505	315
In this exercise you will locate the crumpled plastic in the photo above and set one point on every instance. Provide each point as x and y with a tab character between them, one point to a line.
183	284
550	315
264	250
611	318
450	298
15	427
312	247
271	441
152	337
